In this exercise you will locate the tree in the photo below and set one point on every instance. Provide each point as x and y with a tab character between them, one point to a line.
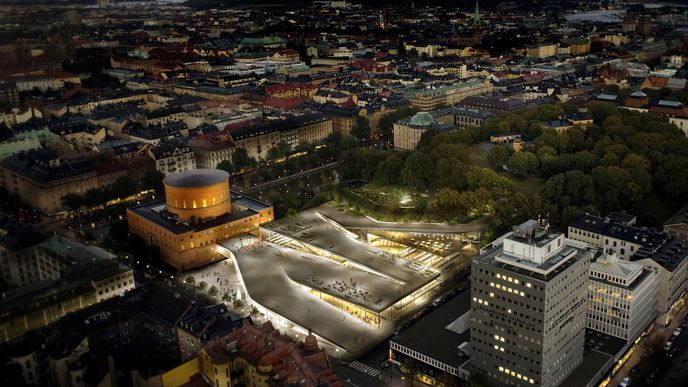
418	170
226	166
94	197
389	171
499	155
202	285
361	129
190	280
254	311
213	291
153	181
522	163
226	297
386	123
445	379
409	369
72	201
278	151
450	174
238	304
448	206
123	187
241	159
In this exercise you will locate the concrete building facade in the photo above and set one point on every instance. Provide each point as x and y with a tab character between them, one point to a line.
621	297
528	303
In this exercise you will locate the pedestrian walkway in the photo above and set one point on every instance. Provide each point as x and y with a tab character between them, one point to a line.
360	367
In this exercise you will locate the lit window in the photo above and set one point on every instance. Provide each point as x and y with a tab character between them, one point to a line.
193	204
529	284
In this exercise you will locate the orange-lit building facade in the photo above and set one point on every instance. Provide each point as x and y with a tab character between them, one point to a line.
199	211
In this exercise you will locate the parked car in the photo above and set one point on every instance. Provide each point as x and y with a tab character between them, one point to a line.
625	382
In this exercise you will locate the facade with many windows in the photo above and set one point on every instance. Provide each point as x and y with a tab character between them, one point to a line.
528	292
173	156
621	297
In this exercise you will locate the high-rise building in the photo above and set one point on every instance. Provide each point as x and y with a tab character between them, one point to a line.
621	297
528	307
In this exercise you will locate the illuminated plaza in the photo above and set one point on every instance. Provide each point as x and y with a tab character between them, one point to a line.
348	284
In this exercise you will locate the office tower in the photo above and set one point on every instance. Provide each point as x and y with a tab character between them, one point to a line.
528	292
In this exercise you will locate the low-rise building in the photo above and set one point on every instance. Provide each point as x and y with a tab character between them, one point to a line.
257	137
262	357
462	117
408	132
172	156
613	236
198	211
617	234
435	97
677	225
45	178
438	343
43	302
210	151
200	325
670	259
506	137
18	264
622	297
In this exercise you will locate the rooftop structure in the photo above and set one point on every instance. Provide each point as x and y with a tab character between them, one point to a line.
261	356
439	341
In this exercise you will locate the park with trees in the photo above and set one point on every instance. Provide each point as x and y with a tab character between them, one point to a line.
625	161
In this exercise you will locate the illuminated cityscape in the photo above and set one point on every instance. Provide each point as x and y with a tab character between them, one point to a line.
343	193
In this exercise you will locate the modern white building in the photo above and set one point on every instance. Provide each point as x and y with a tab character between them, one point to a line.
617	234
621	297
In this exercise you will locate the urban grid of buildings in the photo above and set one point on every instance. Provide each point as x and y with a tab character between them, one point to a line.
177	92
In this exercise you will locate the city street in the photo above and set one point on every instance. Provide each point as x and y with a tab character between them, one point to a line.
639	352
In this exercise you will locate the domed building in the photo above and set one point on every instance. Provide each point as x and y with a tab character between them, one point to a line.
408	132
199	210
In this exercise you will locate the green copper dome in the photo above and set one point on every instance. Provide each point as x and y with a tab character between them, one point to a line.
422	119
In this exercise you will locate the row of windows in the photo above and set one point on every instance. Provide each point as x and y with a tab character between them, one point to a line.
516	374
